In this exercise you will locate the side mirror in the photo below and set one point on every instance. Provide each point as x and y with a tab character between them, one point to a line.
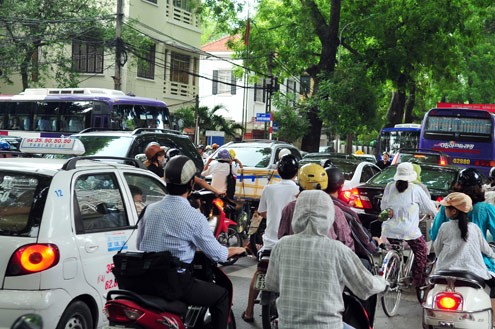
28	321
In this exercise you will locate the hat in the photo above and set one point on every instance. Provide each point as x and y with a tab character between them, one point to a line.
152	150
214	145
417	169
385	153
405	171
460	201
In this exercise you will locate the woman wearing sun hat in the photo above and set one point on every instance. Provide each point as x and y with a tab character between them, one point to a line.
404	201
460	243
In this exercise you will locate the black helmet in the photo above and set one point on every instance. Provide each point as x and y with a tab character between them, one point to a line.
180	170
287	166
335	179
172	152
492	173
469	177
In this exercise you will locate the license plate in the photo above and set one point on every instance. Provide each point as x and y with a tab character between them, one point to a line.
260	282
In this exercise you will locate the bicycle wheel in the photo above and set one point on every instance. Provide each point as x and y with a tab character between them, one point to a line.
269	316
391	272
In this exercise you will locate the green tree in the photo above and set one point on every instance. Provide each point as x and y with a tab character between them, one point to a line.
290	126
36	33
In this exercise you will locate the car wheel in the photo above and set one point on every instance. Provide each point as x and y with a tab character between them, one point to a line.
76	316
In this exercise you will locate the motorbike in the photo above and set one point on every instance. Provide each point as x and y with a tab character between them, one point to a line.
456	299
219	211
128	309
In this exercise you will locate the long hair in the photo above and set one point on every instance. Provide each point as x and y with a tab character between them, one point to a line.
475	192
401	185
462	221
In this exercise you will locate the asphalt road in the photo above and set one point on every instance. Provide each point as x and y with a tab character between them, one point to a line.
409	316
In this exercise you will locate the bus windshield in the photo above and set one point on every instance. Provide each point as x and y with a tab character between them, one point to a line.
47	112
466	135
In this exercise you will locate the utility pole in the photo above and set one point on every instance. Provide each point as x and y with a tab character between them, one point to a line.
196	121
269	91
118	45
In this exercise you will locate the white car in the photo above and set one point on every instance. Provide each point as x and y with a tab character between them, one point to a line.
61	222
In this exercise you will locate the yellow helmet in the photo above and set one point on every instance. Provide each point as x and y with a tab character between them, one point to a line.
312	176
232	153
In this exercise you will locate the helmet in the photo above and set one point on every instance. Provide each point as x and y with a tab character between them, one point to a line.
4	146
232	153
283	152
312	176
172	152
287	167
180	170
492	173
214	145
469	177
200	147
335	179
223	155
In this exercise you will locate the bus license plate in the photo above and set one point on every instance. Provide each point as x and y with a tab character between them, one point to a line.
260	281
461	161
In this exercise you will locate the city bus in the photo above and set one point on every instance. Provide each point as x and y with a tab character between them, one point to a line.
465	132
50	112
403	135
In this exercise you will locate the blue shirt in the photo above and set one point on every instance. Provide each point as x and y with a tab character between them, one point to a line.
483	215
172	224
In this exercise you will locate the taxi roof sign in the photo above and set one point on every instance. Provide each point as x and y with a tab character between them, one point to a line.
52	145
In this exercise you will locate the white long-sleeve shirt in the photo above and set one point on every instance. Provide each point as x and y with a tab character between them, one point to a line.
453	253
406	206
219	171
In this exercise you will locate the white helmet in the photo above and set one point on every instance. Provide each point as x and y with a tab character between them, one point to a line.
283	152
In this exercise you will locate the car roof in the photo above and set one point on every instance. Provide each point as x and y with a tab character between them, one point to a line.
135	132
257	143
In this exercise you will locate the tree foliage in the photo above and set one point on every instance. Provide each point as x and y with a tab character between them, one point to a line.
36	33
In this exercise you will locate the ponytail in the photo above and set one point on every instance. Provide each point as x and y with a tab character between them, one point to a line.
462	221
401	185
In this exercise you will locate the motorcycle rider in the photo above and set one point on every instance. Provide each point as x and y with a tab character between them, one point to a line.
483	214
312	176
309	270
219	170
273	200
173	225
155	159
460	243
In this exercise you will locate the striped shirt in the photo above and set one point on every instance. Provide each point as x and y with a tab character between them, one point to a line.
172	224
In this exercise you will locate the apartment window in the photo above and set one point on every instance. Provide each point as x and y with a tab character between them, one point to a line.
87	56
291	86
179	68
146	64
305	84
259	91
183	4
223	82
152	1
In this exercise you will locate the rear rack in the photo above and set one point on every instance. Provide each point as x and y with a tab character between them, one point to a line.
71	163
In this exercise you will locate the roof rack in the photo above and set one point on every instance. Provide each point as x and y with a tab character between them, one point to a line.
72	91
264	141
153	130
71	163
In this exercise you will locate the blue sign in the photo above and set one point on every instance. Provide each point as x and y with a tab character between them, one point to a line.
262	117
275	126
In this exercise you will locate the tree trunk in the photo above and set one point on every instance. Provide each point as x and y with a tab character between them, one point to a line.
396	109
311	141
348	143
411	100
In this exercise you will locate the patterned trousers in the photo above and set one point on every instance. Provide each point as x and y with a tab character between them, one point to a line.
420	251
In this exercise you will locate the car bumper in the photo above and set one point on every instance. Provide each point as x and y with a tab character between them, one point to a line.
50	304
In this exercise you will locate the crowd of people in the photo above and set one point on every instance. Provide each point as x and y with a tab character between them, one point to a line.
316	242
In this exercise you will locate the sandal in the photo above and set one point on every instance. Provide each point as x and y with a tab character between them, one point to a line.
247	319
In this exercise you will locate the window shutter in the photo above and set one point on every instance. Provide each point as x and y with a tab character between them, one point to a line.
233	87
215	82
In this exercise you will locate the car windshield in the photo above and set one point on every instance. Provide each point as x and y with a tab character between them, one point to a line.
256	156
22	200
347	167
434	178
106	145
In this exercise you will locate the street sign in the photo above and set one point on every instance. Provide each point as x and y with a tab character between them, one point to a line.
275	126
263	117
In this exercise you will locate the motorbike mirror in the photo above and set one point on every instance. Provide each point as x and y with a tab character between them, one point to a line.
28	321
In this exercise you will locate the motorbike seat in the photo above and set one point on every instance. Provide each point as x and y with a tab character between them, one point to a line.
441	278
155	302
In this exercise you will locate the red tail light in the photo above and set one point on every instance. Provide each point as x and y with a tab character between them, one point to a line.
218	202
439	199
443	161
359	201
120	313
33	258
448	301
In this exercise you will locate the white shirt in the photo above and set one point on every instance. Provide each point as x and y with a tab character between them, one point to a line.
456	254
406	206
219	172
273	200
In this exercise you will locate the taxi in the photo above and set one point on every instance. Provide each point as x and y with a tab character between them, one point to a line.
61	221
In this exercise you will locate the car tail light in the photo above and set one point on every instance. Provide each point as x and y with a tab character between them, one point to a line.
359	201
33	258
439	199
345	195
120	313
448	301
